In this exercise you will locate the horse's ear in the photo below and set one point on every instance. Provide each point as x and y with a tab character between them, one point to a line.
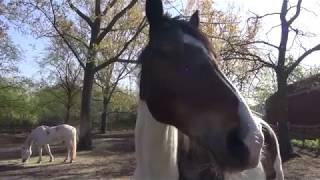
195	20
154	12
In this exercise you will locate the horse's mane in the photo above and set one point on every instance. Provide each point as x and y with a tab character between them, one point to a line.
28	141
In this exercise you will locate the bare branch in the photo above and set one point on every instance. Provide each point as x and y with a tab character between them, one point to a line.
114	85
263	42
247	56
302	57
97	8
298	10
262	16
54	24
108	6
253	58
70	36
81	14
273	27
309	11
174	7
284	11
271	58
114	20
116	58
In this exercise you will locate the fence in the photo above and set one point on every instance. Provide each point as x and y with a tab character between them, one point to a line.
15	129
302	132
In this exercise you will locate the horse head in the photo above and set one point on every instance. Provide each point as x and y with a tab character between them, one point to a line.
183	86
25	153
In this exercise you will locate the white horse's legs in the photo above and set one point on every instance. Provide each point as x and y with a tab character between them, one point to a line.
40	153
47	147
71	149
68	154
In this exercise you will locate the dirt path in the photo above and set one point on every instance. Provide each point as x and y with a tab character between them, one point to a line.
303	168
112	158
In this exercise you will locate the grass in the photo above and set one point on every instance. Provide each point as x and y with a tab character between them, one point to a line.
308	143
32	162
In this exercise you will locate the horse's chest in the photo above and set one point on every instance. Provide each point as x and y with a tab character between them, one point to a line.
195	163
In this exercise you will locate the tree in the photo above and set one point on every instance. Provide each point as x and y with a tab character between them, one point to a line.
16	105
283	67
108	85
9	53
281	60
109	78
65	72
83	26
9	56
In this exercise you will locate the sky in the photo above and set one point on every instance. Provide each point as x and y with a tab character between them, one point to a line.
33	49
307	21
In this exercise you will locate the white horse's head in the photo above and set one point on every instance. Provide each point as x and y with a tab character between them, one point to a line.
25	153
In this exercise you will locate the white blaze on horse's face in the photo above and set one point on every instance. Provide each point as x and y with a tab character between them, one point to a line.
183	86
25	153
254	137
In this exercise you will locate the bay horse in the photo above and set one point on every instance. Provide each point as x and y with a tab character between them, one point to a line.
45	135
183	93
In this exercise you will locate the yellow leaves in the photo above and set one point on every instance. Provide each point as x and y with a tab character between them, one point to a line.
222	27
65	25
123	30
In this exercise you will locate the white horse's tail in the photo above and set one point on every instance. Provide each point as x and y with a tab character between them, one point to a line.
77	132
74	143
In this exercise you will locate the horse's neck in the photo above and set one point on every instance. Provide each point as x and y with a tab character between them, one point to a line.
195	162
29	141
156	147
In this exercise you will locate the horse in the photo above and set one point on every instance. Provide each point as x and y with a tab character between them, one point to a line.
183	91
45	135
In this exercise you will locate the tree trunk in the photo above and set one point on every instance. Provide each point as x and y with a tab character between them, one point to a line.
85	141
281	115
105	103
68	108
107	92
104	117
66	121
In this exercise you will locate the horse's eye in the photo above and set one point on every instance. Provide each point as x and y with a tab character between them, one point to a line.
184	69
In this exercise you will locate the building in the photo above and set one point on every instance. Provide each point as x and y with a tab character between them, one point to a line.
303	103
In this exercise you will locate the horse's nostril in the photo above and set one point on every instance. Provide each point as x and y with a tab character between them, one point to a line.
236	147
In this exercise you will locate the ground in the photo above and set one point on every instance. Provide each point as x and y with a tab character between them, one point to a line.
112	158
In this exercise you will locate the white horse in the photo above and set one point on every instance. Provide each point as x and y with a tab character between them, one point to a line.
44	135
